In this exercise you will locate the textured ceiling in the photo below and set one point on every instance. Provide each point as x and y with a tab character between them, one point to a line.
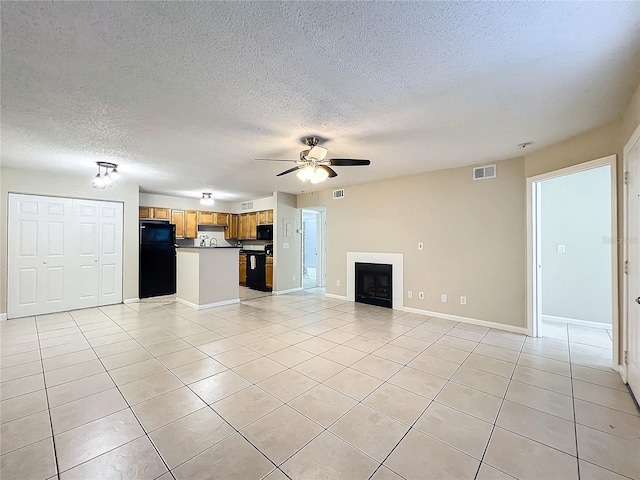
184	95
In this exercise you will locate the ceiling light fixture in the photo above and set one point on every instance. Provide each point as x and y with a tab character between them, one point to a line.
206	199
313	174
109	178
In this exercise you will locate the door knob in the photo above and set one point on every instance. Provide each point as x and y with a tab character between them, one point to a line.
638	300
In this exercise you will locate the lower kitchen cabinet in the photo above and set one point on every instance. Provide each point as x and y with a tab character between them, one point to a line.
269	273
243	269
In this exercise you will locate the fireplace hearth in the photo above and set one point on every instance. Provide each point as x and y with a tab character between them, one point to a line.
374	284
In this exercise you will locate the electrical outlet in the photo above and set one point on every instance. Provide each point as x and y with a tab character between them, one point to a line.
421	295
463	300
410	294
294	277
337	283
561	249
420	246
443	298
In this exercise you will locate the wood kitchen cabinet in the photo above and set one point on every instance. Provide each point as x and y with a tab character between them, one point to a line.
265	217
158	213
253	222
206	218
191	224
243	269
232	230
161	213
222	219
145	212
269	273
177	218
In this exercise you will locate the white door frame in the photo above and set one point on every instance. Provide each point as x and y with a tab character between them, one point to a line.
635	137
533	243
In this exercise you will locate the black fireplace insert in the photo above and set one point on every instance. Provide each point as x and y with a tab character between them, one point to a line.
373	284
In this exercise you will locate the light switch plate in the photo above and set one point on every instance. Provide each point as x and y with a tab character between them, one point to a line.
443	298
420	246
421	295
561	249
285	245
410	294
337	283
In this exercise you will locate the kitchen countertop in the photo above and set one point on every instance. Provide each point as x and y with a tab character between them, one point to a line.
208	248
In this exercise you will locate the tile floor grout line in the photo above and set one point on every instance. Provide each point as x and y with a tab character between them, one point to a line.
46	392
129	407
495	421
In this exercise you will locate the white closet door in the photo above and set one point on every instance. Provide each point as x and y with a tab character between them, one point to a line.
40	235
86	253
110	253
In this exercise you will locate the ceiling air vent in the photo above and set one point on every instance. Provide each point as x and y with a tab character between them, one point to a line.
482	173
247	205
338	194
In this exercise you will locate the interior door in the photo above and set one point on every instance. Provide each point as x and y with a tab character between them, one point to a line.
85	254
110	253
39	266
633	285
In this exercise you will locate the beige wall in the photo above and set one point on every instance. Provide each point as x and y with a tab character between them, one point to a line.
286	261
14	180
473	235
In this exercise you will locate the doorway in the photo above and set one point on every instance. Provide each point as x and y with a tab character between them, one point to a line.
313	247
631	287
572	258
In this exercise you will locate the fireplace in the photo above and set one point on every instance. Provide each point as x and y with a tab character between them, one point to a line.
374	284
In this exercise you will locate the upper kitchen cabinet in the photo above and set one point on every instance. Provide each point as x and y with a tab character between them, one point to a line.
191	224
265	217
154	212
232	230
206	218
177	218
222	219
186	223
253	222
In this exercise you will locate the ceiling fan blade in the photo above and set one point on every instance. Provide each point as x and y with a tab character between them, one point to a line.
274	160
288	171
332	173
317	152
348	162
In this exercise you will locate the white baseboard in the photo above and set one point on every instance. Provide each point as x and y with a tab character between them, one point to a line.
473	321
337	297
575	321
291	290
130	300
207	305
3	317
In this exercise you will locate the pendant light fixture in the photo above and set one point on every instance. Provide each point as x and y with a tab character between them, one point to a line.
107	179
206	199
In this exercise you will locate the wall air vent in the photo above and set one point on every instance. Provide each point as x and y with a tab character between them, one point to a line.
338	193
482	173
247	206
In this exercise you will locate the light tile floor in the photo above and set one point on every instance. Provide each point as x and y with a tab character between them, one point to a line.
302	386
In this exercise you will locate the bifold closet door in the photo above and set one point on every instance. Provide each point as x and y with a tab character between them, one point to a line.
39	243
64	254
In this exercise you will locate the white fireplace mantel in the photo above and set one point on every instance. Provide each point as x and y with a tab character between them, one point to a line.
394	259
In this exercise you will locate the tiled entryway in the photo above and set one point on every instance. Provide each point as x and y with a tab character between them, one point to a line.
302	386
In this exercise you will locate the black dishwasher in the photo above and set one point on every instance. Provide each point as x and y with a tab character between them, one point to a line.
256	270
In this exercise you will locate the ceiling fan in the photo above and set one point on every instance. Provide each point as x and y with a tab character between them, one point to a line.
313	165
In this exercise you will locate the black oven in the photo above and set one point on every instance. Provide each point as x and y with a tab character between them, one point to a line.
264	232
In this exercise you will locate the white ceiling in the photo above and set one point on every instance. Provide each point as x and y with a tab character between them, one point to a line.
184	95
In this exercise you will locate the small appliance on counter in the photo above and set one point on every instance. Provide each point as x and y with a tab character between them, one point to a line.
157	259
268	249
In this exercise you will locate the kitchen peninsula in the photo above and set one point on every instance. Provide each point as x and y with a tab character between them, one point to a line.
207	277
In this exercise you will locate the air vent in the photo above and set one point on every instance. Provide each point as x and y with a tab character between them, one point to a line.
482	173
247	206
338	194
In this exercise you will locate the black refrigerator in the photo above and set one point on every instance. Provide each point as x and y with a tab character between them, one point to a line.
157	259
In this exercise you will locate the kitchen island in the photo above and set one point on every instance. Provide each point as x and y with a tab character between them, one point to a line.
207	277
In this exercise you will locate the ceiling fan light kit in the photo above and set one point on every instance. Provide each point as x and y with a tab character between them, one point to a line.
313	166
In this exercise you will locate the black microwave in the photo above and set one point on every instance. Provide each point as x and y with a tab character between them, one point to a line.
264	232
